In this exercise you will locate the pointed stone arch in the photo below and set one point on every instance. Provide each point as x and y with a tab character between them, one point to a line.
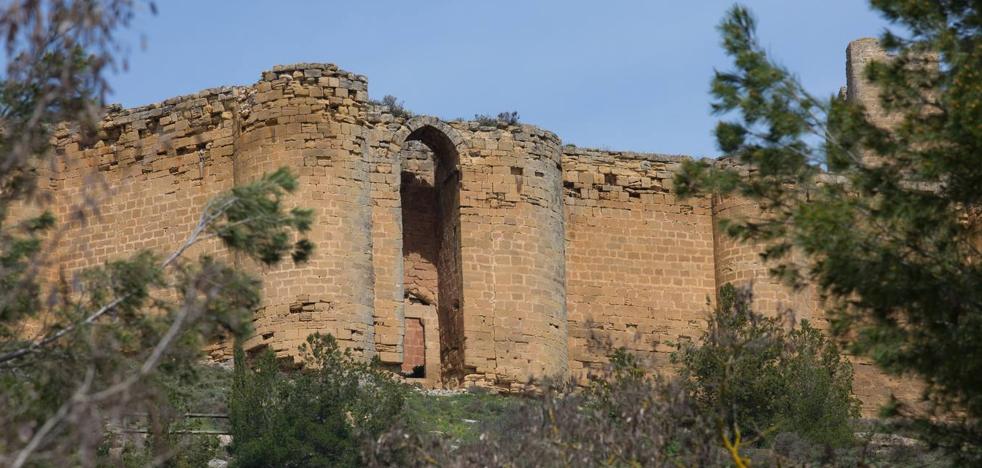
429	195
433	130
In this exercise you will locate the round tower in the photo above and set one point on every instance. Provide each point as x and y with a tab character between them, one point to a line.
304	117
513	250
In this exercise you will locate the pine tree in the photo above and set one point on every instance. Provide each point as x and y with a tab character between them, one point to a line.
111	340
888	216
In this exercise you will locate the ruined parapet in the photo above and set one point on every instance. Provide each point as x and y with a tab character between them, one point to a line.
306	117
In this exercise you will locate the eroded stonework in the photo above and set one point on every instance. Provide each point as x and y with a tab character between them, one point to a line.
458	252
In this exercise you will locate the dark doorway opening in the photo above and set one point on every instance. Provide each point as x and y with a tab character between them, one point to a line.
430	197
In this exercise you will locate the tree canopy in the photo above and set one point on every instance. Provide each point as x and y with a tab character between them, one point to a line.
113	339
887	214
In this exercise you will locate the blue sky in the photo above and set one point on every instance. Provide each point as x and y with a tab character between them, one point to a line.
617	74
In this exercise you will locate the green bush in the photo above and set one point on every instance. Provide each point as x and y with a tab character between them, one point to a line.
759	377
184	451
395	106
316	417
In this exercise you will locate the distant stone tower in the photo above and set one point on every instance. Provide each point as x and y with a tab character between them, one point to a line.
860	53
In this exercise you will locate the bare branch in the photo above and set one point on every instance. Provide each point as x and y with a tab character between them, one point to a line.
53	421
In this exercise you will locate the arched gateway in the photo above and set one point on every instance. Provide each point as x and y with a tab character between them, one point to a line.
429	195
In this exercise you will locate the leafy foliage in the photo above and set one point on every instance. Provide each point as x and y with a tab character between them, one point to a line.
892	234
319	417
79	354
256	223
57	53
20	294
193	453
786	389
763	379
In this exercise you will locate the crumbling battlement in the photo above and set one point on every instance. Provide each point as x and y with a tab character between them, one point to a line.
458	251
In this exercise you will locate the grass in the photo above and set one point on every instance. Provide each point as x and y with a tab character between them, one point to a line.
460	416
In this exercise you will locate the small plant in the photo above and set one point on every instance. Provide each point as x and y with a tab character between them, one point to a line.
502	119
395	106
508	118
486	120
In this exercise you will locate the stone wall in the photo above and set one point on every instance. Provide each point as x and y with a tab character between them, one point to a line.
512	238
477	254
140	183
640	265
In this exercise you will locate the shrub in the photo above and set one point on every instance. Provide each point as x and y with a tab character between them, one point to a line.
630	420
502	119
396	107
185	451
317	417
758	377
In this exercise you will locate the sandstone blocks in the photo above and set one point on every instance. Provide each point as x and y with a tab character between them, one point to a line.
458	252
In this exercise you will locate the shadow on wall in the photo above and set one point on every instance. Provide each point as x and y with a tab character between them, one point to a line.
430	198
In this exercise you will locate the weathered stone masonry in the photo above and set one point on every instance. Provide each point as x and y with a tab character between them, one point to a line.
467	253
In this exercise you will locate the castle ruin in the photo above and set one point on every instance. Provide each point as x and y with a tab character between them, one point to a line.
458	251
